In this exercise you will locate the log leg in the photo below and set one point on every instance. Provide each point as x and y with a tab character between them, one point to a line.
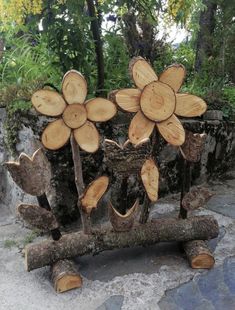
65	276
198	254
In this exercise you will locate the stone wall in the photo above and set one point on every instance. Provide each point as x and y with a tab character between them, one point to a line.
217	158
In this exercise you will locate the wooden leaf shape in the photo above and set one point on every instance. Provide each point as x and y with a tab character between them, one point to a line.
74	87
94	193
196	198
150	179
189	105
55	135
127	99
172	131
32	175
75	115
141	72
173	76
157	101
193	146
140	128
48	102
123	222
87	137
37	217
100	109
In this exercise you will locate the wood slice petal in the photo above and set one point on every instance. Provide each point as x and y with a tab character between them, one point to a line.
150	179
87	137
74	87
172	131
173	76
32	175
37	217
157	101
93	193
140	128
100	109
189	105
141	72
127	99
123	222
48	102
55	135
75	115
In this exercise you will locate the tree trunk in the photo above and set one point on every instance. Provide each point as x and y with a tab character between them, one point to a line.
78	244
205	35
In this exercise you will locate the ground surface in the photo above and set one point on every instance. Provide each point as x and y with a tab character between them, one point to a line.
156	277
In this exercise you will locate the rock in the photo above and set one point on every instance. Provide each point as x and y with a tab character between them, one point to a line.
112	303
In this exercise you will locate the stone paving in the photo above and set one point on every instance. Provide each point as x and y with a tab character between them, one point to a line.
155	277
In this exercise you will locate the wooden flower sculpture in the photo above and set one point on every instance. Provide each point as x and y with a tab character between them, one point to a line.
157	102
75	113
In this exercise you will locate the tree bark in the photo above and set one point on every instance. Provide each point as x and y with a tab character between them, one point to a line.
205	36
198	254
78	244
185	186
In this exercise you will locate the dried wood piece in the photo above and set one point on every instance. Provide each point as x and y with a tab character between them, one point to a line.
189	105
172	131
157	101
127	99
65	276
196	198
87	137
75	115
78	244
55	135
140	128
93	193
100	109
141	72
37	217
123	222
74	87
126	159
150	179
193	146
48	102
31	174
173	76
198	254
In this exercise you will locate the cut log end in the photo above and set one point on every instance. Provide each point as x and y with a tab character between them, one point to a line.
199	255
65	276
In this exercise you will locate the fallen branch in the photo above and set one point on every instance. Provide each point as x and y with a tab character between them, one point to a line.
78	244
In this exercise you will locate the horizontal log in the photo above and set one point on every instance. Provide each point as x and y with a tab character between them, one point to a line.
78	244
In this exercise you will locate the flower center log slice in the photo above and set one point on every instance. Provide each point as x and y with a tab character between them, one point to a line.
75	115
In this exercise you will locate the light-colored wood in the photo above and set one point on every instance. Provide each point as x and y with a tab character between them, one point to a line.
74	244
172	131
87	137
31	174
55	135
141	72
189	105
75	115
127	99
122	222
100	109
37	217
94	193
157	101
196	198
198	254
74	87
65	276
48	102
140	128
193	146
150	179
173	76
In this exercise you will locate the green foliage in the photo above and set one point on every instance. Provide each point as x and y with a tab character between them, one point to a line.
10	243
229	94
31	237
